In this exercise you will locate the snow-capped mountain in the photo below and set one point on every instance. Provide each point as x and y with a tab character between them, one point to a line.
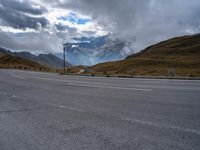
94	50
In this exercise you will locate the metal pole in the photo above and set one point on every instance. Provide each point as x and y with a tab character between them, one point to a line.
64	59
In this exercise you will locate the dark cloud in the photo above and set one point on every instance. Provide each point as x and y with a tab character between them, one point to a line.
23	6
17	14
36	42
139	23
147	21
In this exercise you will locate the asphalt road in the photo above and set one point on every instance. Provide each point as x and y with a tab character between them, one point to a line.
42	111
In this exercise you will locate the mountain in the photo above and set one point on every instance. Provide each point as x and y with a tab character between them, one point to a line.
94	50
48	60
177	49
52	60
8	60
44	59
181	54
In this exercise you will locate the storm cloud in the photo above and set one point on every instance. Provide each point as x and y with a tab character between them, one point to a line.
35	42
139	23
146	21
21	14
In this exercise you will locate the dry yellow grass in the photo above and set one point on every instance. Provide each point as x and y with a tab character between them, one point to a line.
181	53
12	62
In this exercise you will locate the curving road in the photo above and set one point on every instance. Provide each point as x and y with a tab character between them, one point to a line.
43	111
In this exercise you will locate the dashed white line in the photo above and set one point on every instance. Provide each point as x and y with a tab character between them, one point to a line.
75	109
91	84
148	123
110	87
60	106
65	107
13	96
191	131
20	77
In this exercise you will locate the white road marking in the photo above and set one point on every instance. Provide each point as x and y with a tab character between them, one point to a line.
20	77
88	84
110	87
92	83
65	80
60	106
75	109
191	131
65	107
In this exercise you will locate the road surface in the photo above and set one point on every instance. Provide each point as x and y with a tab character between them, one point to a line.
43	111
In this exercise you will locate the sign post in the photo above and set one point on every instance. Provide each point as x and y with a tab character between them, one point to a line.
64	65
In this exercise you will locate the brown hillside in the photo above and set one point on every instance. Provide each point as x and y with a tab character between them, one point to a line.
176	49
9	61
181	54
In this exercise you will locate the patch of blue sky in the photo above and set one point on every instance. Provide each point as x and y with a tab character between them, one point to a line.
72	17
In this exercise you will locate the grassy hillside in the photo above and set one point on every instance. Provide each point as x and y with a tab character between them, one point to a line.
9	61
178	49
181	54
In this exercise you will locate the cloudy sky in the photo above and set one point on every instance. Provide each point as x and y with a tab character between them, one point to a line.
40	26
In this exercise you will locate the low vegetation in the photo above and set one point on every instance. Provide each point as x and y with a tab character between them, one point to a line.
13	62
175	57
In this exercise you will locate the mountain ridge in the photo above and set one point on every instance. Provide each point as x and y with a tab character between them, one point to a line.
48	60
181	54
9	61
90	51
